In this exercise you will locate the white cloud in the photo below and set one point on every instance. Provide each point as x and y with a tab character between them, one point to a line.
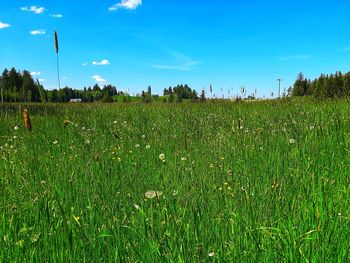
183	63
296	57
126	4
34	9
99	79
85	64
101	63
57	15
35	73
4	25
38	32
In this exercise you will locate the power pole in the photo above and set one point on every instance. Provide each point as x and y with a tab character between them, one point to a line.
279	87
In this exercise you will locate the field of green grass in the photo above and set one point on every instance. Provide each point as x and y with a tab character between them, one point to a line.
213	182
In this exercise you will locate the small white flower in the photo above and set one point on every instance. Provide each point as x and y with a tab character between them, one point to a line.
211	254
153	194
87	141
83	128
183	159
115	122
148	146
143	136
292	141
16	127
137	206
162	156
15	137
55	142
137	146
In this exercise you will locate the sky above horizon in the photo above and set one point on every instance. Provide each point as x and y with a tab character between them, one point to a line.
136	43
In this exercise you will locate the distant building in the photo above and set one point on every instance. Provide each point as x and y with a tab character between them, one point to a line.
75	100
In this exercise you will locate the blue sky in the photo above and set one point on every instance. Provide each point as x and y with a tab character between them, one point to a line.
136	43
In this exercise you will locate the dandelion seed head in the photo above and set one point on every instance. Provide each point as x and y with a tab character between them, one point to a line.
152	194
162	156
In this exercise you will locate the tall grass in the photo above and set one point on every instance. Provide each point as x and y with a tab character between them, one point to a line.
265	182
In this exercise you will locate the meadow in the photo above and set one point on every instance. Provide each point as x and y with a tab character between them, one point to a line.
214	182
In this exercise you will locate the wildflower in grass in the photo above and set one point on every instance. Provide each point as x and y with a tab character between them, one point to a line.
292	141
27	123
152	194
119	159
77	218
162	157
211	254
143	136
67	122
55	142
137	146
115	122
87	141
183	159
148	146
16	127
137	206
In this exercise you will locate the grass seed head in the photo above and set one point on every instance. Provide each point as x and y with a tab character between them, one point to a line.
26	119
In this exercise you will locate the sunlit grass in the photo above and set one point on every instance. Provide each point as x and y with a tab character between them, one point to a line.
265	181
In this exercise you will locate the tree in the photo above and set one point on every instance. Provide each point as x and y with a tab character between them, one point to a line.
107	98
202	97
300	86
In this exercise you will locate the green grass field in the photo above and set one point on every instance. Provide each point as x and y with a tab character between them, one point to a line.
231	182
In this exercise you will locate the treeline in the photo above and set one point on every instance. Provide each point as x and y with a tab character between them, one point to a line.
326	86
90	94
19	86
176	94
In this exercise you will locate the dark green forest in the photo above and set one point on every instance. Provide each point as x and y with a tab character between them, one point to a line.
326	86
17	86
